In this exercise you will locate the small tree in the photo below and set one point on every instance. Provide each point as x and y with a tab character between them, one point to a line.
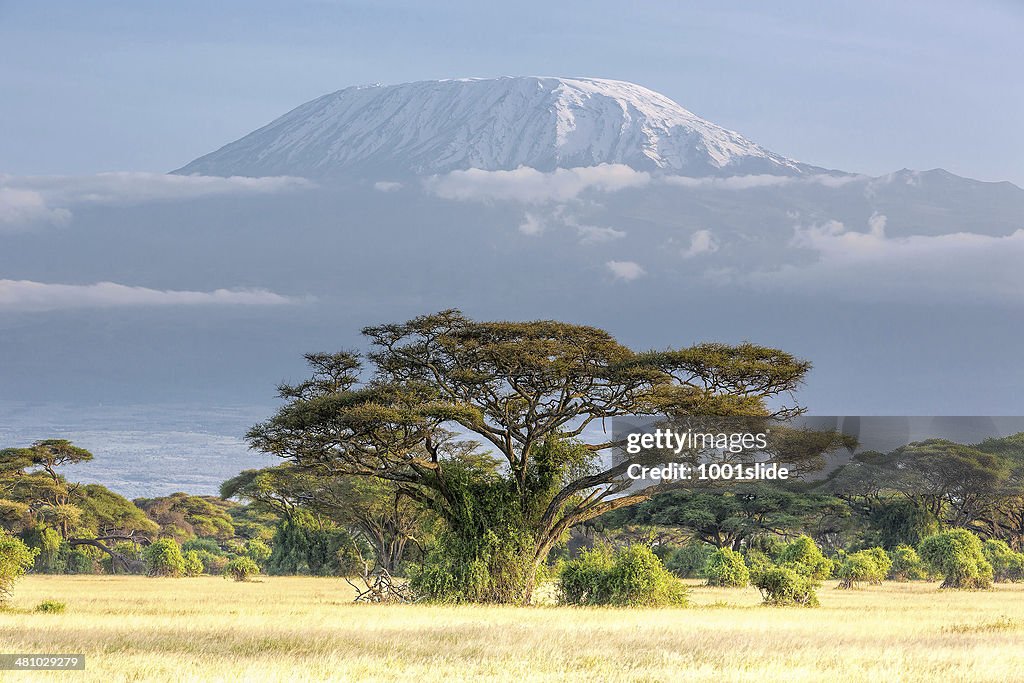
804	557
958	556
725	567
163	558
862	567
786	586
627	577
688	561
192	563
15	560
257	551
241	569
906	564
1007	565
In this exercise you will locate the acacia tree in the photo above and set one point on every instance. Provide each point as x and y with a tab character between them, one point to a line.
372	508
39	496
527	390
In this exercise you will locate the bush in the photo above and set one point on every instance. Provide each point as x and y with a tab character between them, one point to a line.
209	545
628	577
757	561
957	555
257	551
241	569
725	567
804	557
15	560
786	586
689	561
862	567
883	561
212	564
51	607
1007	565
906	564
163	558
192	564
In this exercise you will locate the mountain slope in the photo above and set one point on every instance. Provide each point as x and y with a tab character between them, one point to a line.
492	124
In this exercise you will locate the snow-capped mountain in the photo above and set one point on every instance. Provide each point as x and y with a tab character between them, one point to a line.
492	124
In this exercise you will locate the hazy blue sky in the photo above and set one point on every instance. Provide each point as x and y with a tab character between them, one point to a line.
869	86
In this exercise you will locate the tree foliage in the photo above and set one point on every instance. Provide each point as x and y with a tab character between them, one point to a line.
527	390
958	556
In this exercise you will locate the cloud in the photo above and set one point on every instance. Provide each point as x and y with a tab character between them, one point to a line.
964	267
528	185
701	242
26	295
749	182
531	225
625	270
386	186
34	199
592	234
19	208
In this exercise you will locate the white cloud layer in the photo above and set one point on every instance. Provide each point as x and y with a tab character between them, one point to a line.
625	270
701	242
34	199
963	267
386	186
749	182
530	186
26	295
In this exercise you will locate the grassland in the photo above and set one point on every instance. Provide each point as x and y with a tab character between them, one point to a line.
306	629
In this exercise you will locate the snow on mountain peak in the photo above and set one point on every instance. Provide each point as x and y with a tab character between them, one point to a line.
492	124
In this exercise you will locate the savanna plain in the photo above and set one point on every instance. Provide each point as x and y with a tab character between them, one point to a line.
134	628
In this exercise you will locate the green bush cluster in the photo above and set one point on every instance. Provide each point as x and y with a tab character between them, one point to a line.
688	561
50	607
906	564
241	569
804	557
726	567
786	586
628	577
163	558
864	566
15	559
192	563
958	556
1007	565
800	570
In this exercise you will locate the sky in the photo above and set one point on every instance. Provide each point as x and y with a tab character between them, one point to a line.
867	86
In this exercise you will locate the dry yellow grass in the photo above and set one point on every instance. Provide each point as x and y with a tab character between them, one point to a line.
306	629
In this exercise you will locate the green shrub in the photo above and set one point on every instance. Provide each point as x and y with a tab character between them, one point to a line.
906	564
628	577
725	567
957	555
883	561
192	564
15	560
163	558
786	586
862	567
804	557
1007	565
209	545
241	569
689	561
51	607
757	561
257	551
